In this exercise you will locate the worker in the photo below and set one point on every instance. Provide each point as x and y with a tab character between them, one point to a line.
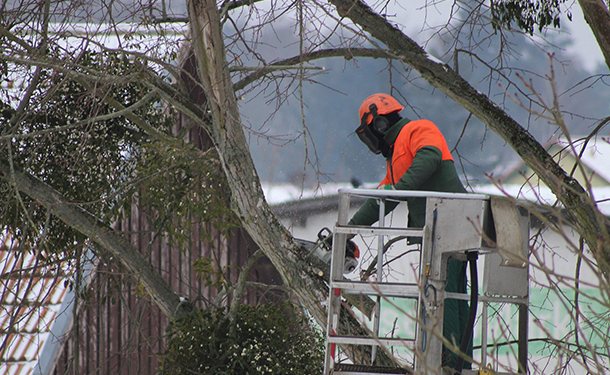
417	159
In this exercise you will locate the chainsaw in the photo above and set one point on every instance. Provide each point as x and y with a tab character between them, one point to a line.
321	249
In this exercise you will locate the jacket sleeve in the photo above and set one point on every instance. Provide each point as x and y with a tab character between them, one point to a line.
368	213
426	161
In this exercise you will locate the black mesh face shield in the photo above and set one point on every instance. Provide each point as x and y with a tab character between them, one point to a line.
366	135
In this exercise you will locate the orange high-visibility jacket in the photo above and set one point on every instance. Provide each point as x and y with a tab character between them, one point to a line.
412	137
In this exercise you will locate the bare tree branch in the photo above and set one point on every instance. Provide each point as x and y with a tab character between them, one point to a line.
73	215
347	53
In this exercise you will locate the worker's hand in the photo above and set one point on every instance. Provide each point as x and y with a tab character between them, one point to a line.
351	249
386	187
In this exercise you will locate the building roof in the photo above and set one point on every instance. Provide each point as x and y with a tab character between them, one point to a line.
277	194
595	161
33	305
596	155
286	203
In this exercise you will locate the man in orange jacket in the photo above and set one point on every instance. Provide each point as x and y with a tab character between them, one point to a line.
417	159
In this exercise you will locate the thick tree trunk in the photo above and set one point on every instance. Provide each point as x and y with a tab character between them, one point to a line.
582	213
246	193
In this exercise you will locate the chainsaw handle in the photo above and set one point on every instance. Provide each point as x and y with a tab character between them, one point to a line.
322	236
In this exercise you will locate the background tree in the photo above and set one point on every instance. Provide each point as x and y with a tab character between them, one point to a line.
226	38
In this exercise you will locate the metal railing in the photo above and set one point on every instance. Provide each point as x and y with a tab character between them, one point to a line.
455	225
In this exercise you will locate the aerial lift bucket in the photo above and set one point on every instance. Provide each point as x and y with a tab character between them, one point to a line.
457	226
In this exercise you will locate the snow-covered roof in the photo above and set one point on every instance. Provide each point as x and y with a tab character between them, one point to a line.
126	37
284	193
35	308
596	155
595	158
543	195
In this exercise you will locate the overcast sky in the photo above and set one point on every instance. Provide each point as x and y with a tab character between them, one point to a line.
436	15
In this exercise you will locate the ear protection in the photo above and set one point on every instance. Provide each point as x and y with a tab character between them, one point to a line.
371	134
379	123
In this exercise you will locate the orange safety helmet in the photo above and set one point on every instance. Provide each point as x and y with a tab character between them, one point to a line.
385	104
373	124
